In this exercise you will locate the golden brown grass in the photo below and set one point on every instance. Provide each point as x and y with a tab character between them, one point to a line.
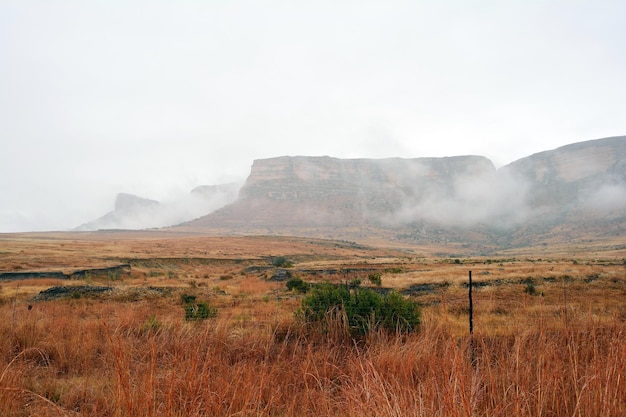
89	357
560	352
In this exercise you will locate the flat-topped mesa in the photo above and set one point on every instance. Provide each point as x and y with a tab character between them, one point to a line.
299	192
306	178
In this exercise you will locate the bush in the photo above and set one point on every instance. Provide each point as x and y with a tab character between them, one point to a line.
530	288
187	298
354	284
364	309
376	279
281	262
297	284
197	311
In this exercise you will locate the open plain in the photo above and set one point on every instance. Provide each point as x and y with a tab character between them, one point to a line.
94	324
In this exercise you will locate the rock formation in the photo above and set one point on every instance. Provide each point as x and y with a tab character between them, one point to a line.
322	191
576	189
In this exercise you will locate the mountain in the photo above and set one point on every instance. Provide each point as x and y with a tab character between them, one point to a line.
305	192
576	191
134	212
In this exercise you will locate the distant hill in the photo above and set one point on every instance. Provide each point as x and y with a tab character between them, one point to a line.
134	212
574	192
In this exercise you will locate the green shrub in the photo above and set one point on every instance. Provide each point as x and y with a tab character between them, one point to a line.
355	283
297	284
281	262
376	279
187	298
204	311
197	311
365	309
530	288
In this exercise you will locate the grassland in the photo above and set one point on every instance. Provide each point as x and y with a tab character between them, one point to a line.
549	339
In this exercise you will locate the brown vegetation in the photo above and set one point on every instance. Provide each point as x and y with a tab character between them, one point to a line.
558	350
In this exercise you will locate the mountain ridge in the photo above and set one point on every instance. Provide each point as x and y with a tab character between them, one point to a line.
576	192
463	199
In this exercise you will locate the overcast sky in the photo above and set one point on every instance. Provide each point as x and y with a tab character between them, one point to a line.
157	97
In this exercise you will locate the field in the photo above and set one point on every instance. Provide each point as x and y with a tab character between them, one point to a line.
111	338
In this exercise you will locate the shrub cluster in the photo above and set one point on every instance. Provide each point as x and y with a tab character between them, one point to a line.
297	284
197	311
364	309
281	262
376	279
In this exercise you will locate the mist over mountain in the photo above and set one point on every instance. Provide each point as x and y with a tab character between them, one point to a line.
558	194
133	212
573	192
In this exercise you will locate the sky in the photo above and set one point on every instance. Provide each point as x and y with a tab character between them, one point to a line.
157	97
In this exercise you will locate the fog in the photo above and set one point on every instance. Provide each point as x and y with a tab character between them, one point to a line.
607	198
497	199
133	212
157	98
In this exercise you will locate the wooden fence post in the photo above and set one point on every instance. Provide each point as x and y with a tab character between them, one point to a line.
471	320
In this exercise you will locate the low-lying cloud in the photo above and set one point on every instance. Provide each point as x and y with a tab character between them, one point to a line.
134	213
496	199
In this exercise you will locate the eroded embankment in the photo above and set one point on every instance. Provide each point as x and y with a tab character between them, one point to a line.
115	270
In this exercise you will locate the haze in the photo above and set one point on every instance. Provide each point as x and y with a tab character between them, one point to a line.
155	98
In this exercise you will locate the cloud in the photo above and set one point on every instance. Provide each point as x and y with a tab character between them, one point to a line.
132	212
495	199
609	197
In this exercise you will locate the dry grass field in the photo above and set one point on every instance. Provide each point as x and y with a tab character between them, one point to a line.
549	330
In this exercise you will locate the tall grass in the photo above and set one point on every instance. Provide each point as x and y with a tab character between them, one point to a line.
88	358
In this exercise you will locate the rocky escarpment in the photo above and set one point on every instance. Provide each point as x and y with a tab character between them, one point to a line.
571	177
573	192
314	191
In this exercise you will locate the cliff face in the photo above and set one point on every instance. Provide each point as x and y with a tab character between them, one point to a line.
574	192
313	191
300	177
575	177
